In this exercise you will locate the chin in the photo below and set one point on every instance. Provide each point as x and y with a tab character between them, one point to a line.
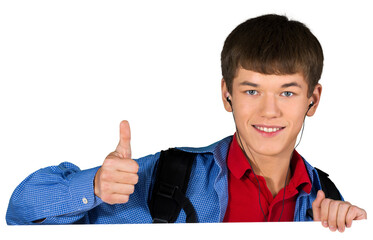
269	151
269	147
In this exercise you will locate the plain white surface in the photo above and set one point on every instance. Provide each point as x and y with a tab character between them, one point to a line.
224	231
70	71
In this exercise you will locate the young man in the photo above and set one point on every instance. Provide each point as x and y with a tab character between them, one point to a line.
271	67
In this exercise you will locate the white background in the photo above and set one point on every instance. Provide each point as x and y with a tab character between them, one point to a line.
70	71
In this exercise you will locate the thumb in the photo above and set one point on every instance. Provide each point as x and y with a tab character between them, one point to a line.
316	205
124	145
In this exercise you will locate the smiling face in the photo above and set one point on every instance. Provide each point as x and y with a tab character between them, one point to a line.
269	110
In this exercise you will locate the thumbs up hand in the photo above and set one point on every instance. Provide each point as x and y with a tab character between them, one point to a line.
116	179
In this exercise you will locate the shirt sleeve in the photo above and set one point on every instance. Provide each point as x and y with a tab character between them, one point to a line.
60	194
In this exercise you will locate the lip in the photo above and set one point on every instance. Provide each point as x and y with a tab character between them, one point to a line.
268	134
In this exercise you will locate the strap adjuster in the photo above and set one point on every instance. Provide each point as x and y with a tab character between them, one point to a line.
167	190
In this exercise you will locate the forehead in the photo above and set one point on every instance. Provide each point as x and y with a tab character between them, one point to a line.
244	76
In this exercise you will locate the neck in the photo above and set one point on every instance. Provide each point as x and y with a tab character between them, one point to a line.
276	175
274	169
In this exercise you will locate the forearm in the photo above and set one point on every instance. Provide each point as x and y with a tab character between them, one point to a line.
54	195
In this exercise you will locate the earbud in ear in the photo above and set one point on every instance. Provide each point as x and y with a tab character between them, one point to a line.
229	101
311	105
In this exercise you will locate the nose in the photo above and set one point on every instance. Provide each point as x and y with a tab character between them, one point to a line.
269	107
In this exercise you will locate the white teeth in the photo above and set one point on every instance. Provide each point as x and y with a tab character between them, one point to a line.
269	130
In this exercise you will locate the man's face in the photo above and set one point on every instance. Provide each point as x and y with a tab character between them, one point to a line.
269	110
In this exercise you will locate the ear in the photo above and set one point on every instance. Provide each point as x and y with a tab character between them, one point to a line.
225	94
315	98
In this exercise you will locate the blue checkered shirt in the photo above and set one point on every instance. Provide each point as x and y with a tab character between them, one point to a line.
64	194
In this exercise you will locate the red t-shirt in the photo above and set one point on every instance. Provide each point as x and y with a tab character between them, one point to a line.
243	202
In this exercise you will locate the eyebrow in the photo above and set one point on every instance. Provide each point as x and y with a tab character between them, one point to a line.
291	84
286	85
246	83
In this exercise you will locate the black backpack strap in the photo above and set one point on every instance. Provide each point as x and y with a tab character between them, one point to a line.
328	187
171	182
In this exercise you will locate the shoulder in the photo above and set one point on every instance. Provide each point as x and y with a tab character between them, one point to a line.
218	150
313	175
321	181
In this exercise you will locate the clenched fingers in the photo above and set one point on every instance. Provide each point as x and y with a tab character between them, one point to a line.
124	165
118	188
120	177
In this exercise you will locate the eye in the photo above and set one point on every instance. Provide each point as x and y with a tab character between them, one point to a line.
287	94
252	92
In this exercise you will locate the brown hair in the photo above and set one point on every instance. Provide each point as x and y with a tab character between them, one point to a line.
272	44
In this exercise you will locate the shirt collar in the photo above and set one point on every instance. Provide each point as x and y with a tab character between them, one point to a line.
237	162
299	179
238	166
